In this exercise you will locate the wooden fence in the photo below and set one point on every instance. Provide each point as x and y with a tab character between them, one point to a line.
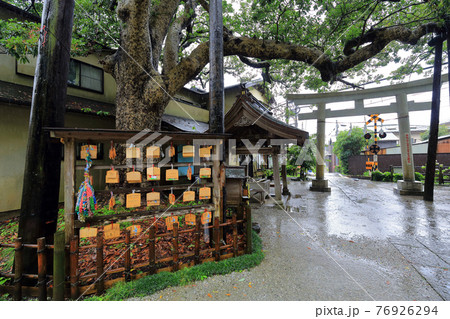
73	285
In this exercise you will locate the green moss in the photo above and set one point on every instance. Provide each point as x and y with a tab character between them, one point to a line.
151	284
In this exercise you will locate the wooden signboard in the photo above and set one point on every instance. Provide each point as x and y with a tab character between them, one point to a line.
205	151
204	193
206	218
188	151
111	231
112	176
170	221
87	232
133	152
189	219
134	177
172	175
92	151
153	152
188	196
135	230
205	172
153	173
153	199
133	200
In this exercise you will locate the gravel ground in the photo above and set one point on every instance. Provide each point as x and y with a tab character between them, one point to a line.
332	247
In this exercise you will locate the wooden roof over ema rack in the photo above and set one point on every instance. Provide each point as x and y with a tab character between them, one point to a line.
118	136
249	118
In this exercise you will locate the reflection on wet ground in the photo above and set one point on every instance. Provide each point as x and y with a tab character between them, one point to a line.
371	214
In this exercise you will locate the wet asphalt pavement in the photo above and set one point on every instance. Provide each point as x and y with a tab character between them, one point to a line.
359	242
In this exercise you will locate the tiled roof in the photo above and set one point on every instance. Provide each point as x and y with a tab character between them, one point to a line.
22	95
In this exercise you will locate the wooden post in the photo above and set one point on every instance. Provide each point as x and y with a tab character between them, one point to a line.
152	250
69	188
248	217
284	177
217	238
441	174
391	169
42	269
276	176
175	247
216	187
74	290
235	235
216	80
127	256
434	121
197	240
42	174
59	266
18	268
100	278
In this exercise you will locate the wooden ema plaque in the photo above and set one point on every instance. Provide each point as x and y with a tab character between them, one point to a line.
153	173
188	196
189	219
206	218
172	175
153	152
111	231
133	200
205	151
205	172
170	221
204	193
92	151
153	199
112	176
135	230
133	152
87	232
134	177
188	151
172	199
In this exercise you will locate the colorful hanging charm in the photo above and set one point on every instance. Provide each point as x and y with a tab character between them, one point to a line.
189	172
86	202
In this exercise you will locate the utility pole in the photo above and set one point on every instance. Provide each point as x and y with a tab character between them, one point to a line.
40	194
434	122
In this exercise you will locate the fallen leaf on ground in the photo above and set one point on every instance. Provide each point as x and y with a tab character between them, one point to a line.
242	279
228	294
351	241
309	247
235	287
209	295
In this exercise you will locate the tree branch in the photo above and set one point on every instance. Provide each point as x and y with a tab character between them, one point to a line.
378	40
159	23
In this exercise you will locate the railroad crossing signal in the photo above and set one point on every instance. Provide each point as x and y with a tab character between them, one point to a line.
374	148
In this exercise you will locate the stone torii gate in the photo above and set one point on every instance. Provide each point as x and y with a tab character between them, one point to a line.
407	186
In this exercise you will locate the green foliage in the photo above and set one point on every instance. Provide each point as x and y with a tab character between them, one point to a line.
348	144
397	177
323	25
151	284
419	177
443	130
377	176
387	177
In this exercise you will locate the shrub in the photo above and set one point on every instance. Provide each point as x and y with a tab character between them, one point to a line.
419	177
377	176
397	177
387	177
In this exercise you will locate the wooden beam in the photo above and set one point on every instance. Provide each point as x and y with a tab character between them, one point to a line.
69	188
